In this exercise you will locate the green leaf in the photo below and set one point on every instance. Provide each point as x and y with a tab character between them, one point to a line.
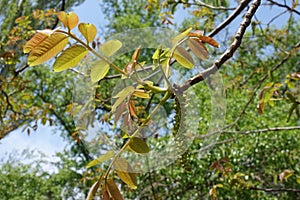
124	171
179	37
89	31
70	58
113	190
124	92
138	145
99	70
183	57
298	179
47	49
101	159
110	47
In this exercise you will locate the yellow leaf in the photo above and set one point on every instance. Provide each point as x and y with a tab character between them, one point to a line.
99	70
113	190
89	31
183	57
47	49
198	48
70	58
138	145
141	94
69	20
179	37
110	47
124	92
124	171
100	159
34	41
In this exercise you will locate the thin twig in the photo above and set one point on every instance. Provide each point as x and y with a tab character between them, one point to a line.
275	189
200	3
285	6
228	53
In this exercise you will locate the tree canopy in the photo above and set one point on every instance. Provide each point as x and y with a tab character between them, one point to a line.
213	113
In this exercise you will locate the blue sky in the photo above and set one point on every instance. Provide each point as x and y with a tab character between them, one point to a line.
44	139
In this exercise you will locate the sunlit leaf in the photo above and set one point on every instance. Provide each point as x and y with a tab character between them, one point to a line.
141	94
99	70
34	41
89	31
124	92
113	190
179	37
110	47
93	190
70	58
47	49
209	41
70	20
139	145
100	159
183	57
198	48
124	171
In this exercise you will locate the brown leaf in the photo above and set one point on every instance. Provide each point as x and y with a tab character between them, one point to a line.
119	111
112	190
93	191
209	41
132	109
198	48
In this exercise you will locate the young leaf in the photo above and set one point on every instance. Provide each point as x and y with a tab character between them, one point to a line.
139	145
183	57
124	92
141	94
198	48
179	37
124	171
209	41
119	112
93	191
110	47
47	49
34	41
113	190
132	109
69	20
105	195
89	31
100	159
99	70
70	58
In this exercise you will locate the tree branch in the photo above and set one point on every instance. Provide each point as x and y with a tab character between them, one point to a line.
200	3
285	6
276	189
228	53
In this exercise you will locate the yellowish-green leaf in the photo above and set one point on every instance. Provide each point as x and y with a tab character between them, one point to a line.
113	190
69	20
100	159
141	94
70	58
99	70
125	172
198	48
124	92
89	31
183	57
179	37
47	49
34	41
110	47
93	190
138	145
117	103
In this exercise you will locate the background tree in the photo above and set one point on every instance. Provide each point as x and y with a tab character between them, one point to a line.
256	155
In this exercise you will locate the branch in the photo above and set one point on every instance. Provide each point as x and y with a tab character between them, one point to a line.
264	130
285	6
275	189
229	19
229	52
200	3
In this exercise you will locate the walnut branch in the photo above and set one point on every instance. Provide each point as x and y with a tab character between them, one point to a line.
228	53
275	189
285	6
200	3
